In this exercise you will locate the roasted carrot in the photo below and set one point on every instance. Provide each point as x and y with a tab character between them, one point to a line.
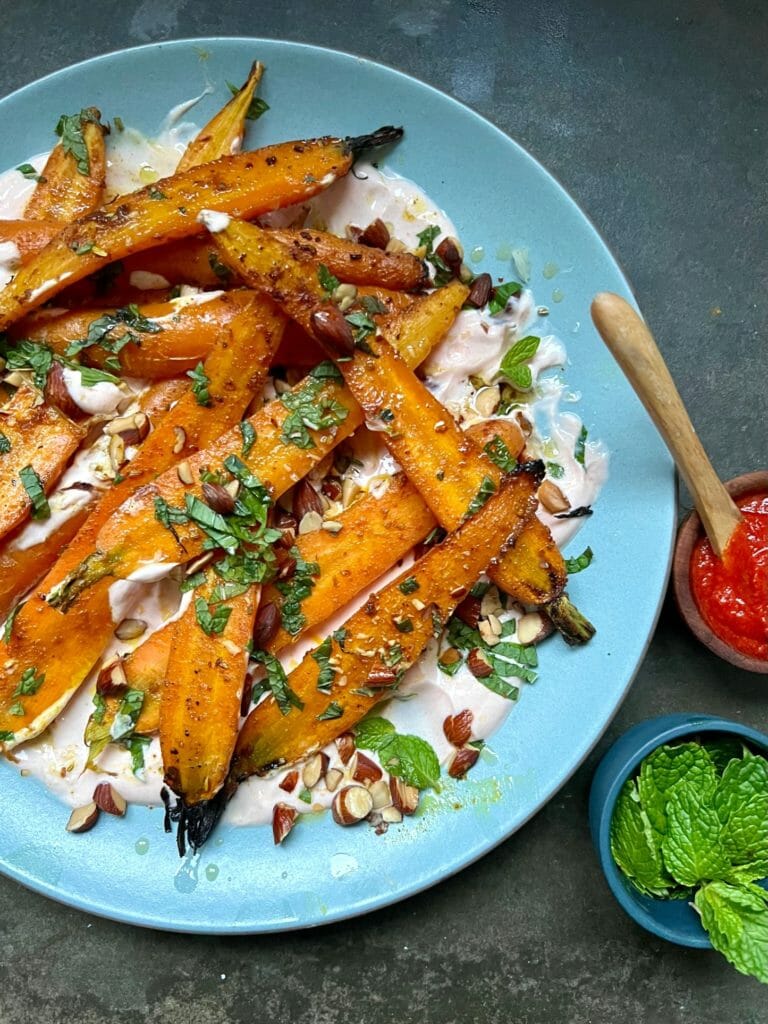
72	184
65	648
24	560
224	132
184	332
29	236
200	704
38	442
245	184
361	675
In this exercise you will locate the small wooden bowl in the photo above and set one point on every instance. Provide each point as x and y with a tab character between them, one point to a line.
688	534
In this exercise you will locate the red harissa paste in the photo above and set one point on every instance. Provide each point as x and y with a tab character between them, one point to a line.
732	594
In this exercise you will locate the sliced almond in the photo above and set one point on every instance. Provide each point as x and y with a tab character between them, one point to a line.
332	779
552	498
184	473
366	770
111	679
404	797
345	744
131	629
458	728
314	769
107	799
288	784
487	401
179	440
116	452
478	664
82	819
351	805
283	819
310	523
391	815
462	761
533	628
380	794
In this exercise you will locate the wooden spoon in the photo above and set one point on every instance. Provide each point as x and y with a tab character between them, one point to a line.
634	349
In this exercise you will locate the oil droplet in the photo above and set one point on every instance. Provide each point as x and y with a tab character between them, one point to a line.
557	295
142	846
212	872
342	864
549	270
477	254
504	252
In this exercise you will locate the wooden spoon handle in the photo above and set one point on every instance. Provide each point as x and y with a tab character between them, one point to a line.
634	349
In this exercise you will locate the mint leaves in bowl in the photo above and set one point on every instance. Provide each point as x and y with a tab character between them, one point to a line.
679	816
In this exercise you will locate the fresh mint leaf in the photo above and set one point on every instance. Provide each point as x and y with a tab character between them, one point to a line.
486	489
311	407
200	384
736	919
426	238
294	591
33	485
30	682
11	618
333	710
664	770
29	172
634	845
127	715
277	681
580	562
70	130
249	438
723	750
580	450
27	355
692	846
211	619
411	759
322	656
257	106
508	659
409	585
498	452
372	733
741	803
513	365
328	282
501	295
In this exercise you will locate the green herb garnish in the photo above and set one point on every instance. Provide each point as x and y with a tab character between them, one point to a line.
410	758
578	564
212	619
513	365
502	293
486	489
33	485
29	172
579	450
5	444
200	382
498	452
256	108
70	131
311	409
409	585
277	682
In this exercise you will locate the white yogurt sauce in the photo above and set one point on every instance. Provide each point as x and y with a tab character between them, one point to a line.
474	346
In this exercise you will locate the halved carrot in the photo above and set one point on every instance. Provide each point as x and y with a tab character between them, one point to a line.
224	132
246	184
64	648
187	330
366	664
200	703
24	563
71	186
447	467
38	443
29	236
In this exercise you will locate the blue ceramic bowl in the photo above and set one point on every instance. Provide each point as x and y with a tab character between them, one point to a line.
674	920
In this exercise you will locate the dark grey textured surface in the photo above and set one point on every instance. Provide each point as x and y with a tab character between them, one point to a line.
652	114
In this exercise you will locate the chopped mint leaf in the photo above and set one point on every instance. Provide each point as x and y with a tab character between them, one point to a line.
29	172
486	489
501	295
277	681
409	585
322	656
212	619
555	470
200	383
70	131
581	562
333	710
249	438
328	282
498	452
579	452
33	485
256	108
5	444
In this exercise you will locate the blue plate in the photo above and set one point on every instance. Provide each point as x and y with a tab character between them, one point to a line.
497	195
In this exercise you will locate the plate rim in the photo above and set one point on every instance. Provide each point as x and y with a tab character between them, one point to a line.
377	902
